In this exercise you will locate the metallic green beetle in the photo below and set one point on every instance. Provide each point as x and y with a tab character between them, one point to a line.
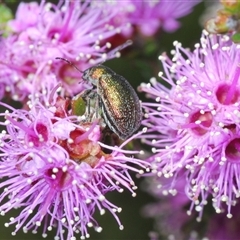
121	107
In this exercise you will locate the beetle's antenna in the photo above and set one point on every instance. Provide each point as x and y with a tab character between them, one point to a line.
70	63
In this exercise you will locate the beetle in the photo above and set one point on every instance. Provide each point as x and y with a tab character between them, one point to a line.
121	107
120	104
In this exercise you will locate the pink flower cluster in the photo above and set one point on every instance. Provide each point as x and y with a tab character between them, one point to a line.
148	17
58	169
55	162
75	30
193	127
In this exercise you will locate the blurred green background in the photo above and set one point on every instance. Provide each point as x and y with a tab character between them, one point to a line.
138	64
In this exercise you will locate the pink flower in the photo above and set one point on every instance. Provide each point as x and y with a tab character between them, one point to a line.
75	30
193	127
149	16
171	221
169	209
23	21
57	169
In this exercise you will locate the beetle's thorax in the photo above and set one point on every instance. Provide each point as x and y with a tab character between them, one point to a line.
94	74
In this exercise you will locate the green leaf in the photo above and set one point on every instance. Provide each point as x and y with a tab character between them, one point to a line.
5	14
78	106
236	38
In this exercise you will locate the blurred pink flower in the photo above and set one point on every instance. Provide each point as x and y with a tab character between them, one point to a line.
171	220
75	30
149	16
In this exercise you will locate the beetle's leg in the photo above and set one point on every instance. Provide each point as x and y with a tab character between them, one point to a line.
86	98
89	95
98	105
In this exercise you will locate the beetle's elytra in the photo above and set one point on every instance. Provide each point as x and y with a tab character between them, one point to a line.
121	107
